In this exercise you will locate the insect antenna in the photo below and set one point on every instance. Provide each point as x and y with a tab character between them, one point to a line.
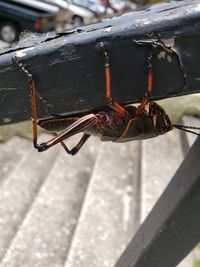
186	128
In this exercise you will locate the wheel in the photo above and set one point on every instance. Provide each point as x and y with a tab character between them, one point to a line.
77	21
9	32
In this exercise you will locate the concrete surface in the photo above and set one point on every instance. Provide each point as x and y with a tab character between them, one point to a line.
63	211
43	237
109	213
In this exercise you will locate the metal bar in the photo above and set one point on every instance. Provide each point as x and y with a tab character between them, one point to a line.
69	68
172	228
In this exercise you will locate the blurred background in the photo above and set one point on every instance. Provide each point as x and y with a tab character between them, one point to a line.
17	16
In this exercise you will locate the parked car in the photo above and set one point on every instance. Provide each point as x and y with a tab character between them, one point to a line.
33	15
118	6
129	5
81	15
78	14
96	7
63	17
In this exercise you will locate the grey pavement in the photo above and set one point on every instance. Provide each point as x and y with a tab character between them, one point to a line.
109	212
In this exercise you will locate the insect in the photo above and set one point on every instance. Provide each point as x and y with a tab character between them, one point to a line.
115	122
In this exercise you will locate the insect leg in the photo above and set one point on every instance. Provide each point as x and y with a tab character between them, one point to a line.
145	100
75	149
150	75
82	141
78	126
126	130
114	105
32	99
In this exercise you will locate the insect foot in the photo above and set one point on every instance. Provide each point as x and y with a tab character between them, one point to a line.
41	147
73	151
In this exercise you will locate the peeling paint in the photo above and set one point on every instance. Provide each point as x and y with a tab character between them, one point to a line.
109	29
142	21
22	53
168	42
171	49
182	68
169	59
162	55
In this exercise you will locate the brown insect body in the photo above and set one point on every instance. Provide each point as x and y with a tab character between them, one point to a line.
109	126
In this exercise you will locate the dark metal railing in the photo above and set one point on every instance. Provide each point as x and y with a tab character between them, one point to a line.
68	68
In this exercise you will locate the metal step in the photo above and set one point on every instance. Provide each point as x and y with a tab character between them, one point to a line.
44	236
11	154
110	211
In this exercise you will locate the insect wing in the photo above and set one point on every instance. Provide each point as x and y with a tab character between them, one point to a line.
78	126
57	124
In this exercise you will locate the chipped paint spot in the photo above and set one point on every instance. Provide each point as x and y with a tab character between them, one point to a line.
109	29
150	35
140	22
172	49
22	53
168	42
169	59
182	67
147	22
162	55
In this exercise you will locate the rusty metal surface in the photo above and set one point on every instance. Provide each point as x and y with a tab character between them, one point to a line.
69	69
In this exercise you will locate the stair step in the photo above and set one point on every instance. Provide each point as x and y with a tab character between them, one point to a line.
161	156
19	190
11	154
44	237
188	139
110	211
160	159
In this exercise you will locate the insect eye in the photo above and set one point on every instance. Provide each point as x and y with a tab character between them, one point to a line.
105	118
